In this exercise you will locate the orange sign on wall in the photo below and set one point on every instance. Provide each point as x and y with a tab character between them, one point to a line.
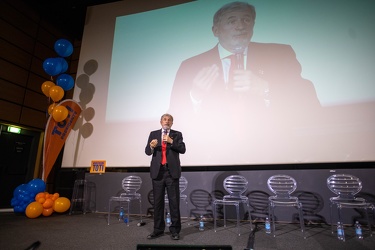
98	166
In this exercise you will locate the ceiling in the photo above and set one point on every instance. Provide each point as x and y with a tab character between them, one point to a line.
67	15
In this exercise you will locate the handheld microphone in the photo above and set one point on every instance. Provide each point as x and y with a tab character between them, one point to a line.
165	132
239	61
239	51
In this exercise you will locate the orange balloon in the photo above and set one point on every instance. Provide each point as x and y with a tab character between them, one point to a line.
41	200
46	86
47	211
48	203
55	196
60	113
56	93
61	205
51	107
48	195
40	195
34	210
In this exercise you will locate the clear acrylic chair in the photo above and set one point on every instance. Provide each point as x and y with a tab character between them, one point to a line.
283	186
80	195
346	187
183	182
130	184
236	186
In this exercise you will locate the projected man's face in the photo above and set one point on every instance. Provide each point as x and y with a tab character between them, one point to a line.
166	122
234	30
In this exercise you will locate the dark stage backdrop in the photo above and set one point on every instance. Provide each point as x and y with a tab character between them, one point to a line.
131	52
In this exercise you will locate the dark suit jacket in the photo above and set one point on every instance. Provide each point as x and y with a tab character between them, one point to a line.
173	153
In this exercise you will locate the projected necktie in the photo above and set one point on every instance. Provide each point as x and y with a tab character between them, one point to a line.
164	150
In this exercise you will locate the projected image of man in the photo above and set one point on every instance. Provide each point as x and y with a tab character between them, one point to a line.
257	85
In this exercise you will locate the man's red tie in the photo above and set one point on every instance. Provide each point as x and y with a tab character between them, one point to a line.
164	151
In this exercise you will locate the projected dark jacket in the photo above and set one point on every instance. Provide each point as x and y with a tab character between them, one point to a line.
173	153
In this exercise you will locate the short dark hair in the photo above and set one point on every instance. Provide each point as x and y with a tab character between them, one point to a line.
161	118
233	6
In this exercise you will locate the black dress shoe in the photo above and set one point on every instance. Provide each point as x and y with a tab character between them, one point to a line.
175	236
154	235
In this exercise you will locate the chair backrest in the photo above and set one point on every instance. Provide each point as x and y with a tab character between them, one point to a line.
131	184
282	185
344	185
235	185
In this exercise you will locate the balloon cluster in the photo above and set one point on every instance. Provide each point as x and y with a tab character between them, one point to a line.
64	82
25	193
32	200
46	203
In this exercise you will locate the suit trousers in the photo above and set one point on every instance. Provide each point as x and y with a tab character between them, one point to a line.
163	182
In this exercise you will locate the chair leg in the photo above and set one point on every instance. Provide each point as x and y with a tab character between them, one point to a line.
187	212
248	211
74	196
339	214
238	218
225	216
330	208
85	196
109	210
140	208
368	221
301	220
215	217
272	218
128	215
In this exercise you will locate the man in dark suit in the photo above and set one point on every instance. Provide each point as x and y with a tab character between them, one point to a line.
165	145
250	91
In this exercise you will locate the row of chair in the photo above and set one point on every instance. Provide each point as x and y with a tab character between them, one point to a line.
282	186
345	186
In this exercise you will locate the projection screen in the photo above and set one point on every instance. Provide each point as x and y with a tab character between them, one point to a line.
310	98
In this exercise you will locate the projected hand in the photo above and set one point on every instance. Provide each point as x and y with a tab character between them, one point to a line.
245	80
153	143
203	81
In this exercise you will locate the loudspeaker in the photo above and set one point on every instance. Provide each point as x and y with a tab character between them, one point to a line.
182	247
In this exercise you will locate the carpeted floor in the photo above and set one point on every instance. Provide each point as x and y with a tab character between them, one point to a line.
90	231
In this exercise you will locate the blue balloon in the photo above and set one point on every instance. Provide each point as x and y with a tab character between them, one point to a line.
24	194
63	47
36	186
52	66
21	189
65	81
19	209
64	64
14	202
